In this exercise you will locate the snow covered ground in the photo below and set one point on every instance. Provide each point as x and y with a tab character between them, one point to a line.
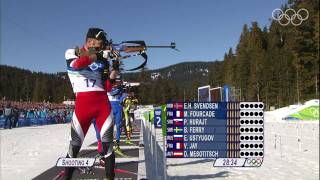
291	152
28	151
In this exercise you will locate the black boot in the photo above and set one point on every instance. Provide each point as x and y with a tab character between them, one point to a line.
68	171
73	152
109	166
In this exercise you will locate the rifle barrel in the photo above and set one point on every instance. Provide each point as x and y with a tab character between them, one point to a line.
160	46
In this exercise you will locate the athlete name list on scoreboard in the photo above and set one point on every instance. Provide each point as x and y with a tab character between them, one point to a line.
196	129
205	109
200	105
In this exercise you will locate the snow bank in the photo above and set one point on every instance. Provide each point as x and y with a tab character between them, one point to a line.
279	114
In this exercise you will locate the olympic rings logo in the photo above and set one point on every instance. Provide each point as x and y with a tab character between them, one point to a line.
254	162
285	19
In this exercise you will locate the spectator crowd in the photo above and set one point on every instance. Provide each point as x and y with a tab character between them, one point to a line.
17	114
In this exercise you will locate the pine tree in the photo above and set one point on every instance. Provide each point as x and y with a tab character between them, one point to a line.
144	91
242	63
256	56
306	50
36	97
228	68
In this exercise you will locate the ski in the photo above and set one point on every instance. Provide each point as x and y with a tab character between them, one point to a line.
59	175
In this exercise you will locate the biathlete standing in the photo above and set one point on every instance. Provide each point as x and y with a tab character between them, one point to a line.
128	105
87	69
116	97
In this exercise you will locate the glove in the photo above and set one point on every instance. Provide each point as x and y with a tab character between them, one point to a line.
105	73
103	54
77	51
114	55
115	65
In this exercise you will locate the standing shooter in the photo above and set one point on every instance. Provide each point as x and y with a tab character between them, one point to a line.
88	70
116	97
128	104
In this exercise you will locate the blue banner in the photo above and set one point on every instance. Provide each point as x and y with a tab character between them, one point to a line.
158	118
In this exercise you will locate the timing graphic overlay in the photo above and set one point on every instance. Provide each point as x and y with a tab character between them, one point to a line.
232	133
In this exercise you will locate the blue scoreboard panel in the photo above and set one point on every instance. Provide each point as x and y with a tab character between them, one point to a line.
229	132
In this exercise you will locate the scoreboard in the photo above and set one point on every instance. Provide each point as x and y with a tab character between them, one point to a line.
232	133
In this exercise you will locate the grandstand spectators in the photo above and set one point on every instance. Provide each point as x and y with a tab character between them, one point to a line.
7	115
31	113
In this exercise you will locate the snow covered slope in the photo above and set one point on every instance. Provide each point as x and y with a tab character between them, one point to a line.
281	113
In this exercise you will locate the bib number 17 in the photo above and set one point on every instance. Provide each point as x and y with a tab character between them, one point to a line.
90	82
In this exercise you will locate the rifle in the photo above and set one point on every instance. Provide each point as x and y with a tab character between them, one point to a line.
135	46
127	47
